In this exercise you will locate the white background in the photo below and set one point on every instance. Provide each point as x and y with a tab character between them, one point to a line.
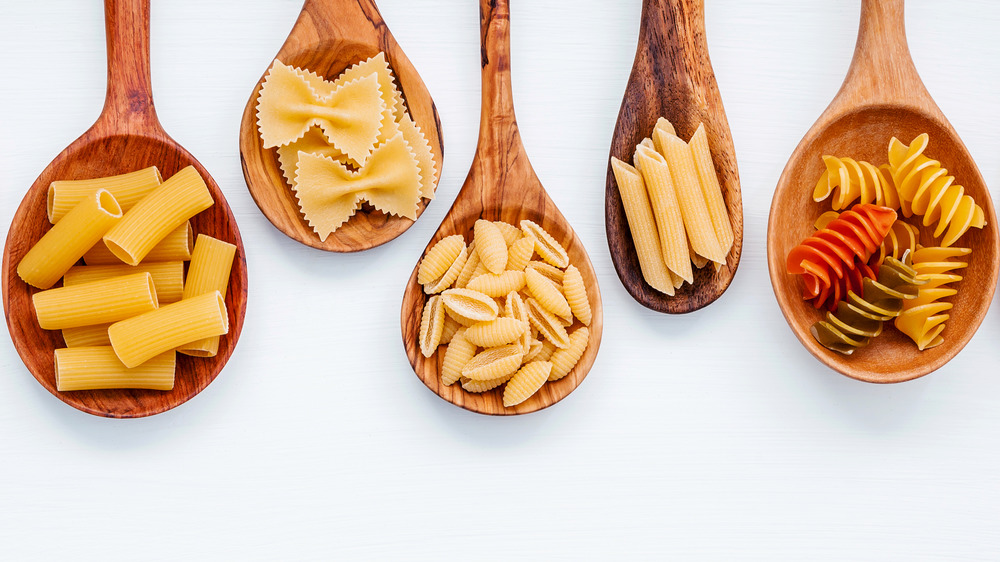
708	436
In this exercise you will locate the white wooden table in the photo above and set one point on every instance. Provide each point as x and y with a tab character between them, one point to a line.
708	436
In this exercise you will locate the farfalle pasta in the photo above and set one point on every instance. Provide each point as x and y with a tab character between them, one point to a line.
345	142
508	323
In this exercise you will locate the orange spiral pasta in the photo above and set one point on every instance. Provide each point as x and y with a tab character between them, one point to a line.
832	260
925	189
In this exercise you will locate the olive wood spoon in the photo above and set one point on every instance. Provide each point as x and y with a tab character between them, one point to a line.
127	136
881	97
672	77
329	37
501	185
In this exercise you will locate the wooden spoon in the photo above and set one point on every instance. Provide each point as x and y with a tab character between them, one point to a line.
328	37
127	136
501	185
881	97
672	77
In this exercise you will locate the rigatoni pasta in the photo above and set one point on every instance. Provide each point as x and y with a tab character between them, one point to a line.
168	207
86	336
67	241
96	302
145	336
168	276
177	246
127	189
90	368
211	264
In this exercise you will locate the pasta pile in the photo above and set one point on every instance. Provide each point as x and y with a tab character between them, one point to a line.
126	313
344	142
838	262
674	206
503	316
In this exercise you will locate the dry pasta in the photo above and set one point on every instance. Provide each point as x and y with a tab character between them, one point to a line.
498	285
483	386
520	253
547	324
86	336
431	326
711	189
547	294
97	302
176	246
509	232
211	264
496	332
127	189
576	295
639	213
546	246
168	207
490	245
457	353
168	276
439	259
140	338
493	363
450	328
563	360
666	211
526	382
92	368
69	239
694	210
465	304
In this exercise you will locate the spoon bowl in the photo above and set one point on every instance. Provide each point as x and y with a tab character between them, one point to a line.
672	77
126	137
873	106
501	185
328	37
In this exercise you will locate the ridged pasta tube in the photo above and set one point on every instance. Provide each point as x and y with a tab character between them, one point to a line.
127	189
642	225
86	336
91	368
165	209
210	268
69	239
177	246
97	302
168	276
143	337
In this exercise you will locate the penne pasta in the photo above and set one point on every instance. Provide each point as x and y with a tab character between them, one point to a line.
639	213
168	277
711	189
91	368
165	209
666	127
694	210
138	339
666	211
127	189
211	264
97	302
177	246
86	336
67	241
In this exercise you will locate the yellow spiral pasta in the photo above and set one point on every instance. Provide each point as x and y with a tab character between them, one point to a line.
439	259
482	386
496	332
458	352
902	238
493	363
431	326
466	304
923	318
547	294
846	180
526	382
520	254
498	285
449	277
563	360
576	295
547	324
490	245
925	189
545	245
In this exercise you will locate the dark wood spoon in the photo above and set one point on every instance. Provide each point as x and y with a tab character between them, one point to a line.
672	77
881	97
127	136
501	185
328	37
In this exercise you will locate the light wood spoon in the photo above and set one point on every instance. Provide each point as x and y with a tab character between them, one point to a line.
672	77
881	97
328	37
127	136
501	185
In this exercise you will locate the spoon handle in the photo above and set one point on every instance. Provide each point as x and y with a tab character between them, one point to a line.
497	124
129	98
882	70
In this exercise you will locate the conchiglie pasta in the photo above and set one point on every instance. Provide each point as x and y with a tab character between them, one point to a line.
439	259
493	363
526	382
496	332
498	285
576	294
546	246
563	360
431	326
456	355
547	294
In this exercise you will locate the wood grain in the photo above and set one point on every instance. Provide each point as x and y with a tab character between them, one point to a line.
127	136
672	77
501	185
328	37
881	97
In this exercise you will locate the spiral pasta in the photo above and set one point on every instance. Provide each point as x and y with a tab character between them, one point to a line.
847	180
858	319
923	318
902	238
829	260
925	189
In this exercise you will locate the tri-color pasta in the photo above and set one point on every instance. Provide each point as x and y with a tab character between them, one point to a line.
506	321
345	141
